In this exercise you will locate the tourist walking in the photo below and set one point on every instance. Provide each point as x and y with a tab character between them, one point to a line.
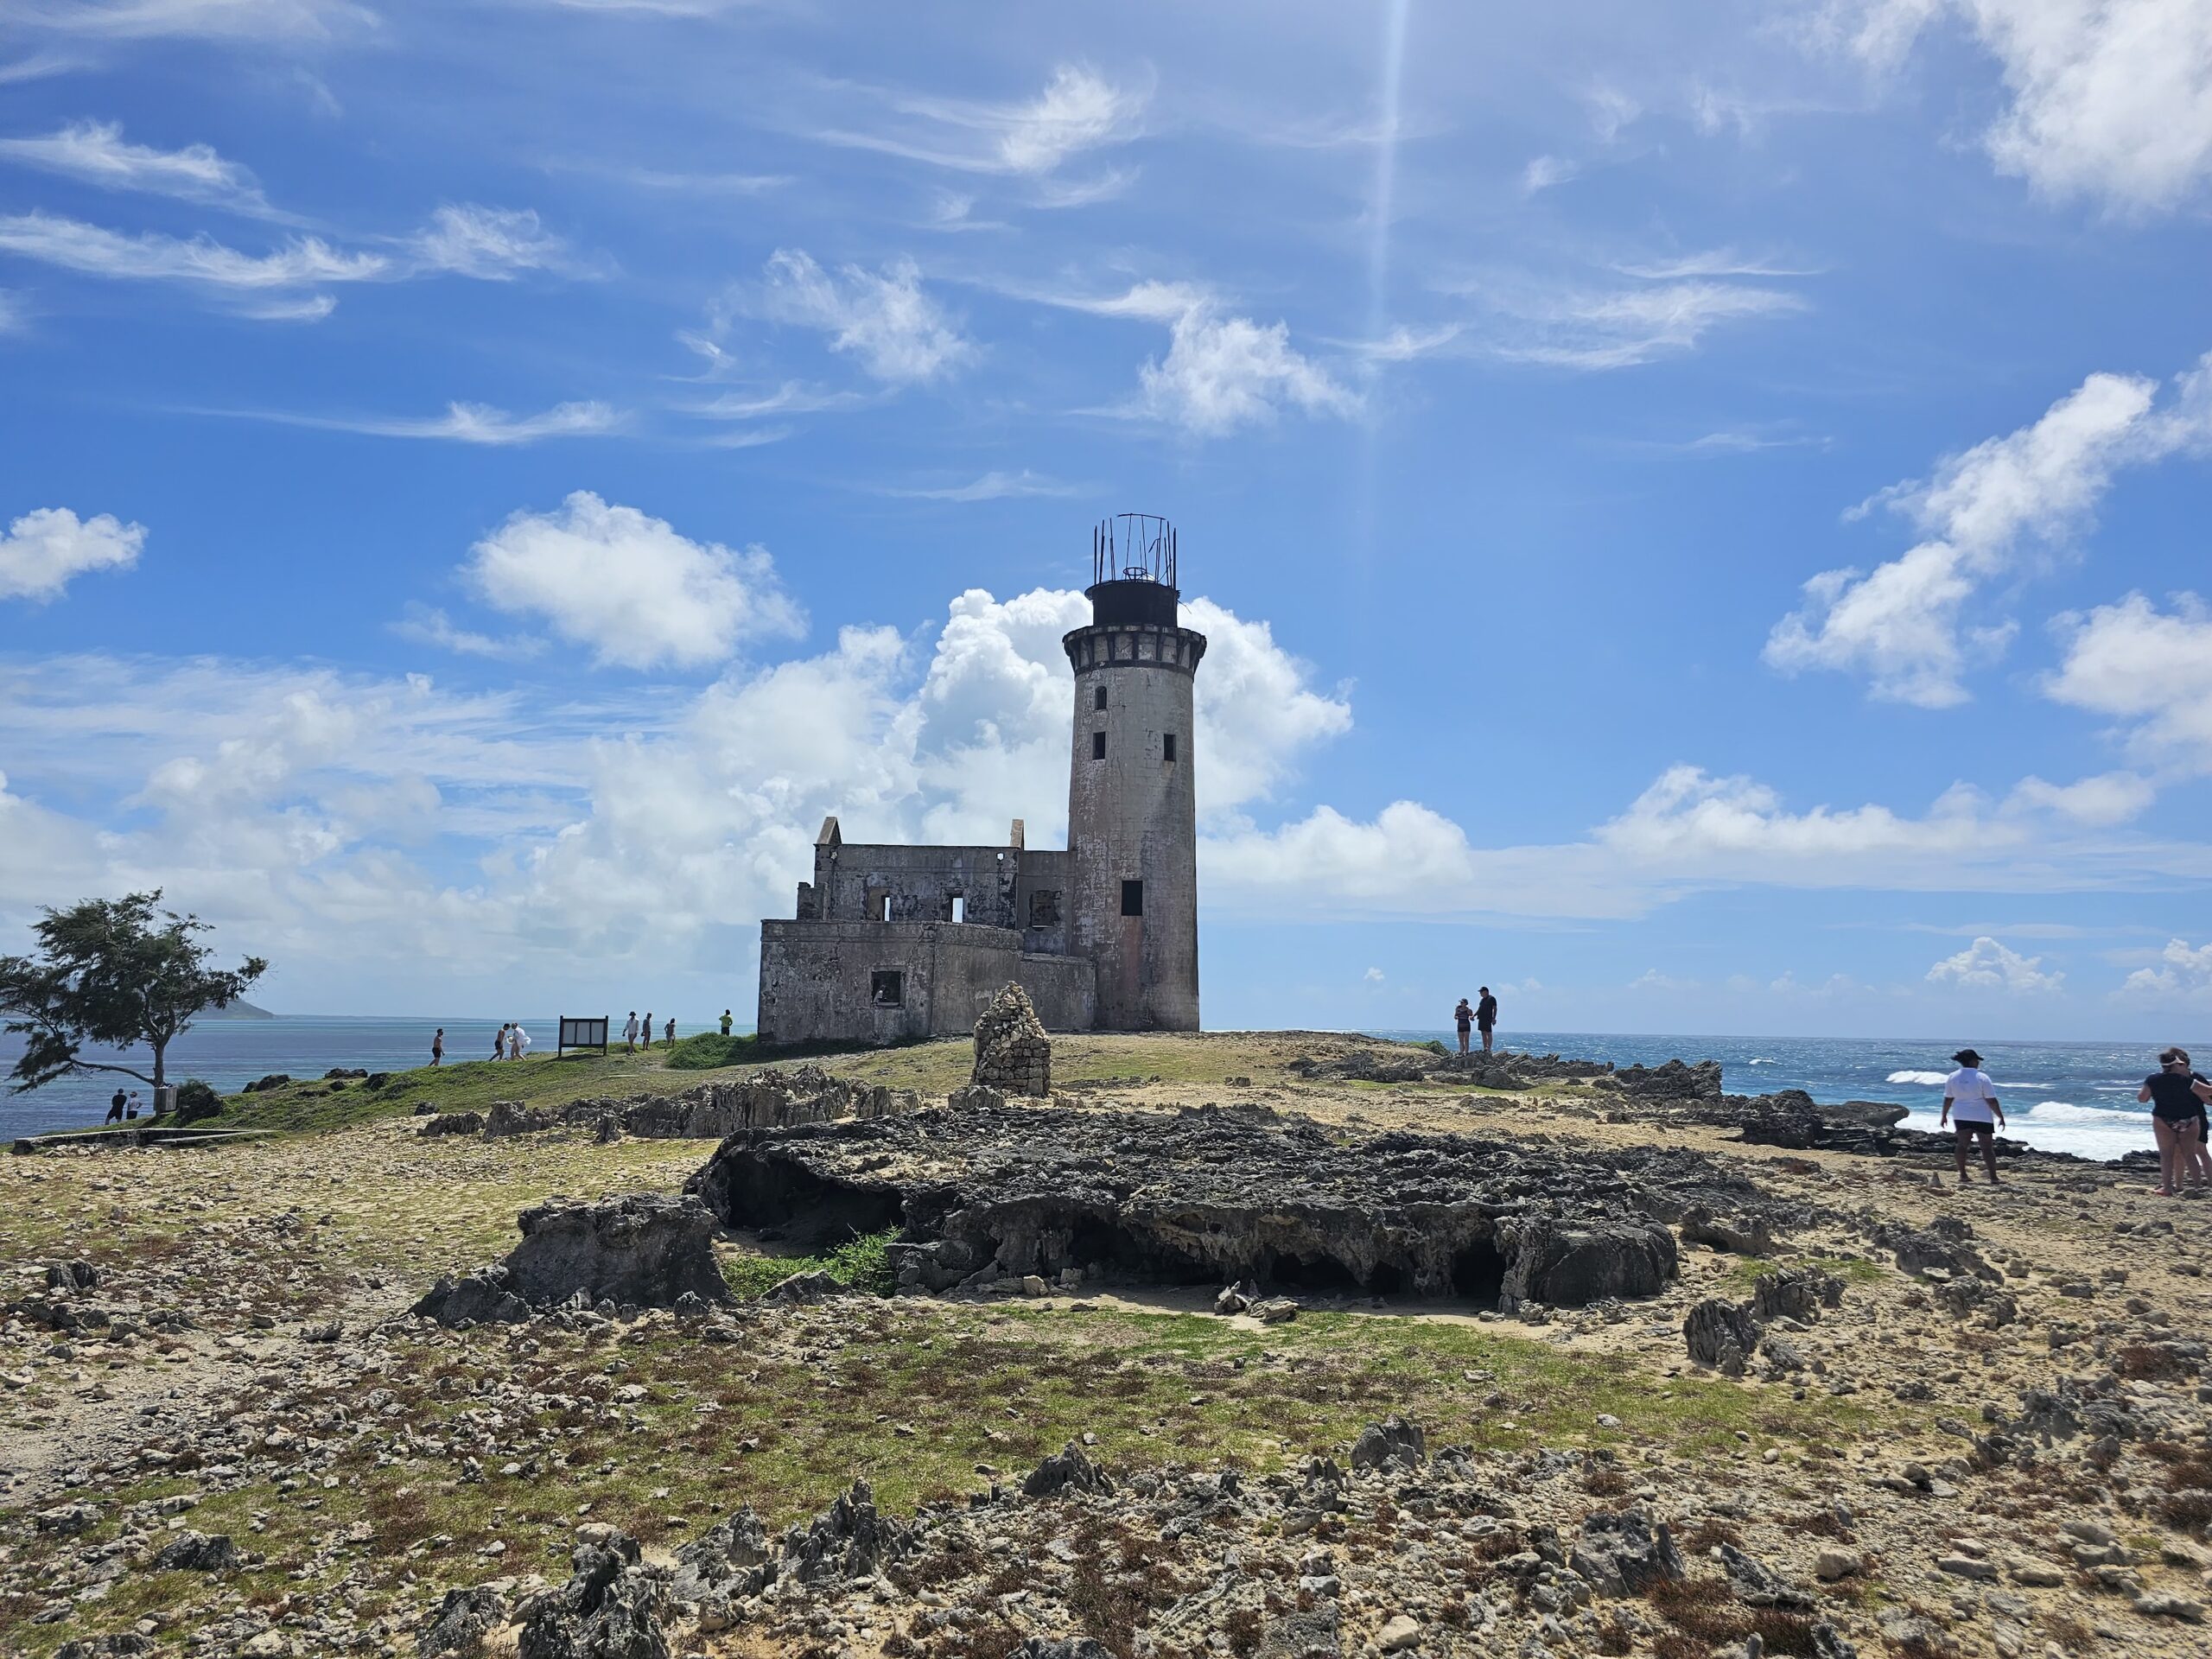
670	1033
438	1048
2177	1097
1464	1018
517	1041
116	1105
1486	1017
629	1032
499	1043
131	1108
1970	1105
725	1022
649	1031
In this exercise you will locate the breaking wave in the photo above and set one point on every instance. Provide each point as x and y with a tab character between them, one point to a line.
2065	1111
1933	1079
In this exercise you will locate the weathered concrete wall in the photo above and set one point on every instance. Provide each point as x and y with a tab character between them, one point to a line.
1064	990
852	882
822	982
1132	816
1042	896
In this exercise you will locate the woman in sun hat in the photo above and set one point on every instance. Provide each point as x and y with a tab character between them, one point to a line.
1970	1104
2177	1097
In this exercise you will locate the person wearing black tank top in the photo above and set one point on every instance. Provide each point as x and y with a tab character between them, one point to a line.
2176	1096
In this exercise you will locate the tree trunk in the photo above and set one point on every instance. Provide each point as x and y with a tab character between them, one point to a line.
161	1047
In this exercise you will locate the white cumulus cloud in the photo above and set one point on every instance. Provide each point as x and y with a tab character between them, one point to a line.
2147	669
1911	625
2183	970
1990	965
629	586
2110	99
44	550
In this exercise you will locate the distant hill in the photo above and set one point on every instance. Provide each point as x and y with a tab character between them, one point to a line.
235	1011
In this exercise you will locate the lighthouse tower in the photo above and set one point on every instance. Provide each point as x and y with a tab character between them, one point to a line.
1132	809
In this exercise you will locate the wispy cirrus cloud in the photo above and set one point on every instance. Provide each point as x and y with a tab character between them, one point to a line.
1222	371
200	260
488	243
96	152
425	625
898	333
991	487
478	423
230	20
1598	329
1078	110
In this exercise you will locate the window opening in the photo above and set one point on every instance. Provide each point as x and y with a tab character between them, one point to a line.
1132	898
1167	746
1098	746
1099	702
883	908
1045	907
887	988
959	907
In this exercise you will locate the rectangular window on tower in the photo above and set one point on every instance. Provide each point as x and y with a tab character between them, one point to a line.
959	907
1167	747
1098	746
1098	699
886	987
1132	898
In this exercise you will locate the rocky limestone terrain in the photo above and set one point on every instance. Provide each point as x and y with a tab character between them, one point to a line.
1864	1414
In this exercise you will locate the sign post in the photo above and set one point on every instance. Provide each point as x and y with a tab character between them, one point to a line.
581	1034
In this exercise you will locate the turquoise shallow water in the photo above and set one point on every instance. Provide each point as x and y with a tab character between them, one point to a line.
2077	1097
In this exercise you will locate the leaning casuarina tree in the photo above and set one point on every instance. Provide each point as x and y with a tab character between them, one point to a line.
112	974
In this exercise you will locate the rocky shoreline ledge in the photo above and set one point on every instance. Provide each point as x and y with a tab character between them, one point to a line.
1261	1361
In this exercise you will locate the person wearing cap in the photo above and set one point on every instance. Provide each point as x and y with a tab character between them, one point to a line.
1969	1105
2177	1097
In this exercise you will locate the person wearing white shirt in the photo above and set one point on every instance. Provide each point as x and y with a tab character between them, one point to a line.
630	1032
519	1041
1970	1106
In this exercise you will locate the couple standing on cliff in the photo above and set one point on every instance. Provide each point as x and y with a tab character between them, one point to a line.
1484	1015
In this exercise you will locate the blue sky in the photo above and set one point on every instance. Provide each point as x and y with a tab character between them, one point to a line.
1699	509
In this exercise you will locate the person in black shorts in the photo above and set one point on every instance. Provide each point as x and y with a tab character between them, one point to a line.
1464	1018
1486	1017
2177	1097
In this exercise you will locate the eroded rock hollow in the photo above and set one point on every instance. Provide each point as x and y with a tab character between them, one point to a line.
1214	1195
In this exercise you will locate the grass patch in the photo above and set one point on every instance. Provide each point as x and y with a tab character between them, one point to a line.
710	1051
863	1263
1747	1271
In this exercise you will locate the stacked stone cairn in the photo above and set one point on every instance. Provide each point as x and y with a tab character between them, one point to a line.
1013	1054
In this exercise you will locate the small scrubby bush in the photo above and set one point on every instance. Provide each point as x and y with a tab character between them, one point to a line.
863	1263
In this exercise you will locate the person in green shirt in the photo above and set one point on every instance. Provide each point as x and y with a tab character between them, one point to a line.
725	1022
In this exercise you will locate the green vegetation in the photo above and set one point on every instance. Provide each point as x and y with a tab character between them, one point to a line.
1747	1271
711	1049
861	1263
915	1399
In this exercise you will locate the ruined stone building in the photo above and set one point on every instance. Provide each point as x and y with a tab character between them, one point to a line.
890	943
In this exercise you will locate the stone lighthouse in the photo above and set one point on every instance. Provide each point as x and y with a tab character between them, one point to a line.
1132	806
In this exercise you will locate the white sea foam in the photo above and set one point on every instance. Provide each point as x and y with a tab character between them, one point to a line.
1933	1079
1762	1062
2065	1111
2061	1126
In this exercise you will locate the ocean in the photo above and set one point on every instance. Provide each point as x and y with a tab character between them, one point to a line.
2076	1097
